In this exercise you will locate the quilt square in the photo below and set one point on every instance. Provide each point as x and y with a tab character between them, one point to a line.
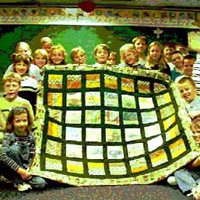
73	117
127	84
115	152
74	167
92	116
92	80
159	157
117	168
146	102
74	99
138	165
55	81
73	134
152	130
51	130
154	143
111	99
130	118
54	148
93	134
163	99
92	99
74	151
54	99
172	133
144	87
128	101
53	164
112	117
96	168
132	134
113	135
110	81
149	117
73	81
94	152
135	149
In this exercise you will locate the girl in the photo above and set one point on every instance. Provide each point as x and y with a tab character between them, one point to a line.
29	86
140	45
18	150
46	44
24	49
41	58
129	56
155	58
58	55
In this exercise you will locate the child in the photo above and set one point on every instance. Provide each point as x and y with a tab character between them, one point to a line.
46	44
188	179
129	56
41	58
177	60
18	150
188	63
169	48
78	56
101	53
11	85
24	49
140	44
58	55
112	58
155	58
29	86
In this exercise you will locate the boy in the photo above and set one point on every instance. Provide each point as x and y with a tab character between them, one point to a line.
11	86
101	53
169	48
177	60
112	58
46	43
188	179
78	56
188	63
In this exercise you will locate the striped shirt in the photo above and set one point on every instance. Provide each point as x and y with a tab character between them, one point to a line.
10	139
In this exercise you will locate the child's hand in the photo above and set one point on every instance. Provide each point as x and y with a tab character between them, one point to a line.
196	136
24	173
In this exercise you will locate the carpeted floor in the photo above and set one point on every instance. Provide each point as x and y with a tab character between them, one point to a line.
55	191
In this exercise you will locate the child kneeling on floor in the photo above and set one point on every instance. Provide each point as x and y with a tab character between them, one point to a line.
18	150
188	178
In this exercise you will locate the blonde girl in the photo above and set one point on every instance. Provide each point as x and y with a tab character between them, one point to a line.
140	45
78	56
58	55
41	58
155	58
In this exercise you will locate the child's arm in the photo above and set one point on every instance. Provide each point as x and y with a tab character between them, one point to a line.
23	173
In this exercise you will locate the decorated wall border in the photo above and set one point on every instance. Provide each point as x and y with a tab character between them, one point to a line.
100	16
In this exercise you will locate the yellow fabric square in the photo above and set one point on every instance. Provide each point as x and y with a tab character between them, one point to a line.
177	148
168	122
159	157
127	84
51	130
110	81
92	80
73	81
75	167
55	81
54	99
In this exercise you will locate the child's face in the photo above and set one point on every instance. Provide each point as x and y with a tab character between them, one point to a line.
188	66
20	123
80	58
21	68
155	53
111	60
140	46
40	60
167	52
188	91
11	89
47	47
101	55
130	57
177	60
23	50
56	56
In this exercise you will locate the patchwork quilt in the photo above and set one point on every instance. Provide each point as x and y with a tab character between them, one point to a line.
110	126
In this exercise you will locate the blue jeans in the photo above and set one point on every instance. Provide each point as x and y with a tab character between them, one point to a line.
187	179
20	154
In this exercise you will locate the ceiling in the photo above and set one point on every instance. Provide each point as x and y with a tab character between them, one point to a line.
178	4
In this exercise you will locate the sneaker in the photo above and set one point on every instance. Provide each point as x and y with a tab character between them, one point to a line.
5	180
22	187
196	192
172	180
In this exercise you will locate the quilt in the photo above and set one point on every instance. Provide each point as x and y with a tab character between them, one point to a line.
110	126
